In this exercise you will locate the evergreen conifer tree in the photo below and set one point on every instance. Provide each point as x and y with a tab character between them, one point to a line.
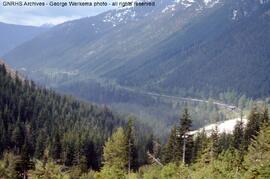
258	158
253	126
115	151
130	140
184	140
170	148
115	156
56	147
238	135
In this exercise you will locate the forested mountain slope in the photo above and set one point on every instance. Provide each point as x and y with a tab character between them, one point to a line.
172	47
214	54
42	140
38	123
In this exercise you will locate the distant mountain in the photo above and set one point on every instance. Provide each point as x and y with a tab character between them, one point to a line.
226	50
200	46
14	35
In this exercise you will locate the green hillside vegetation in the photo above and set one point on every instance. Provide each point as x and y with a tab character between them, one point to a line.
44	135
185	53
39	126
158	112
216	156
200	53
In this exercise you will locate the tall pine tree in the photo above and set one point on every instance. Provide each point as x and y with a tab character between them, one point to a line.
253	126
56	147
115	156
171	147
180	143
130	140
257	160
115	151
185	141
238	135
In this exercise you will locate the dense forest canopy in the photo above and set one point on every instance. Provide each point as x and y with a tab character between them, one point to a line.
45	135
39	123
178	66
39	118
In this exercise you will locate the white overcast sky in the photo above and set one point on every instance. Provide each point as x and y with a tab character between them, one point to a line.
37	16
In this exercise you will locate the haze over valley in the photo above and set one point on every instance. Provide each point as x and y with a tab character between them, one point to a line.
176	90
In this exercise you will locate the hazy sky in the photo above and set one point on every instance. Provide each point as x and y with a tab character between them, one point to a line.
37	16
